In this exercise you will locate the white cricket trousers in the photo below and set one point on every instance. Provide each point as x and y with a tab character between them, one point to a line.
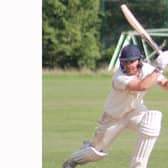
145	123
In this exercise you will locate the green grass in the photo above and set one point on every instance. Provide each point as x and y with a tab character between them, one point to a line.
71	106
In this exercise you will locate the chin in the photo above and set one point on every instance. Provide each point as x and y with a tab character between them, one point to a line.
131	73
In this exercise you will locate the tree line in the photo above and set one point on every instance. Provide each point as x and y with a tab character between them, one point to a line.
84	33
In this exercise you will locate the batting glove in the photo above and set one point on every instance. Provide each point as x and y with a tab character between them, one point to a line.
162	60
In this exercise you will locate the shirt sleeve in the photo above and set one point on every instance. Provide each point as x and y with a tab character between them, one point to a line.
121	81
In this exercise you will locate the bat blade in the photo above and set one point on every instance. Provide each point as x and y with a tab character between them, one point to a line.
135	24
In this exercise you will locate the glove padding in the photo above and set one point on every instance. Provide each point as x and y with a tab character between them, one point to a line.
162	60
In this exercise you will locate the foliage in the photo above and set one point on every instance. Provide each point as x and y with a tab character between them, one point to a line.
84	33
166	13
152	14
70	33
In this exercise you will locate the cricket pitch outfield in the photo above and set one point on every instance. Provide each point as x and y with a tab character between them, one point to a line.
71	105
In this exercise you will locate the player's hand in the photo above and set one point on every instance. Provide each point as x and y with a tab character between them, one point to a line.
162	60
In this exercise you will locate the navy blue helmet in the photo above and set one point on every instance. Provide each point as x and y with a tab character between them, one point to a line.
130	52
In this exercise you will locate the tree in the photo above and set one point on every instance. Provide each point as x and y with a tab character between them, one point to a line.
84	33
150	13
70	33
166	13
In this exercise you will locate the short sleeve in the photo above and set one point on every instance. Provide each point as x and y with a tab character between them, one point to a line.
121	81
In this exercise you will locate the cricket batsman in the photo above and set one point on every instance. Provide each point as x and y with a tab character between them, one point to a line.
124	108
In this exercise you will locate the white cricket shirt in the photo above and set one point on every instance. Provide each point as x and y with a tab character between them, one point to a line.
121	101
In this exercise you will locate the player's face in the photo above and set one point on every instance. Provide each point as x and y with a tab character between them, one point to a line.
131	67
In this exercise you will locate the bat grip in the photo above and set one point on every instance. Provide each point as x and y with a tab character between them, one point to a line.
154	45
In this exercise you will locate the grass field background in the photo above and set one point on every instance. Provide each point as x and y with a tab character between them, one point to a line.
71	105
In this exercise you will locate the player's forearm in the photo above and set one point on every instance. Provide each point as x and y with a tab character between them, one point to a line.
149	80
165	86
144	84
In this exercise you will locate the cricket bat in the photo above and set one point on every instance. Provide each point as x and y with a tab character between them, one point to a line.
136	25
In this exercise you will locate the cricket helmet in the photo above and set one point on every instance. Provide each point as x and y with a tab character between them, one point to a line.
129	53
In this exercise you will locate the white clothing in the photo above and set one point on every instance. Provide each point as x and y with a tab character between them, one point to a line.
143	122
123	109
121	101
146	123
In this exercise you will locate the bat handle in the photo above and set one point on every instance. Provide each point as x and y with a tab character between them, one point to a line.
154	45
160	51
